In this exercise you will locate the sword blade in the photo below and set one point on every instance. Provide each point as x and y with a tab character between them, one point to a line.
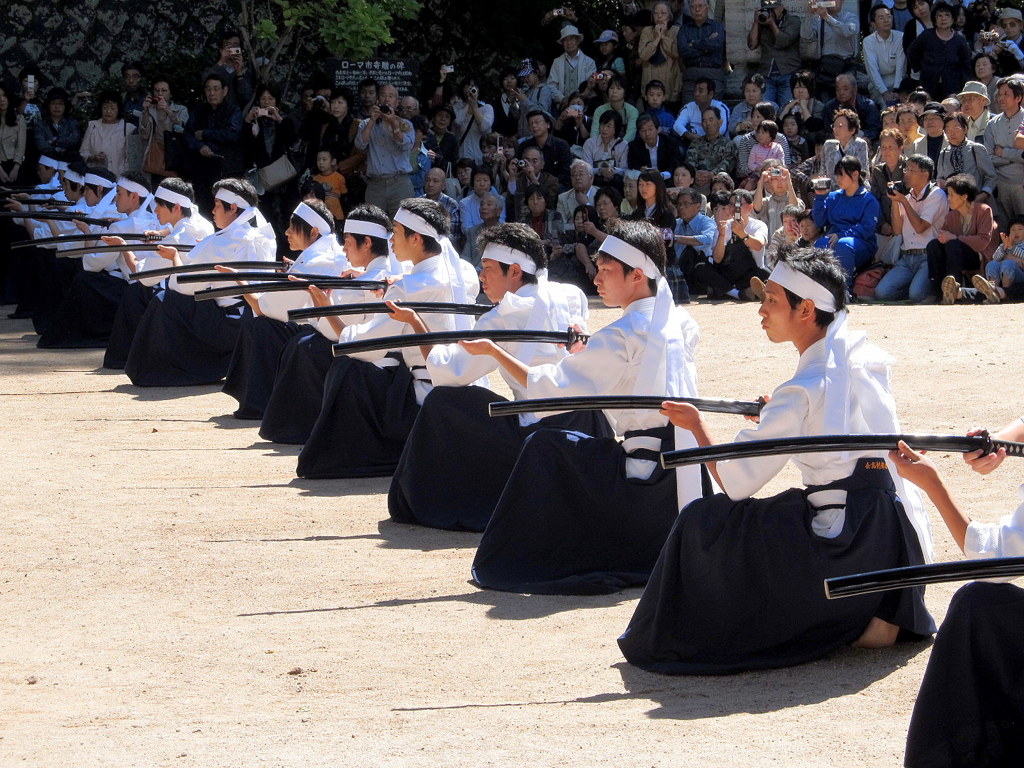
371	308
835	443
567	337
186	268
621	402
920	575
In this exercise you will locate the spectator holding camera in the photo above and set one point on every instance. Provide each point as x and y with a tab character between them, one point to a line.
848	217
776	32
738	253
387	140
773	193
231	69
888	170
573	124
160	114
473	119
605	151
556	153
528	171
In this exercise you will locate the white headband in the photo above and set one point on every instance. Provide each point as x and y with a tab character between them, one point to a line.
416	223
61	165
803	286
133	186
368	228
99	181
49	162
74	178
508	255
230	197
631	255
312	218
170	196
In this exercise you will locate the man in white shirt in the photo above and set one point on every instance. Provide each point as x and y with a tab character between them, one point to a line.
884	58
572	69
582	192
689	123
974	103
917	215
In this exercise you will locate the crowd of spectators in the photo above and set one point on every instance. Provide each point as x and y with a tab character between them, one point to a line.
891	133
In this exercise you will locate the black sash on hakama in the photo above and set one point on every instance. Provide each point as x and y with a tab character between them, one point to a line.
458	459
970	710
86	315
738	585
298	391
129	314
181	342
365	418
253	366
570	522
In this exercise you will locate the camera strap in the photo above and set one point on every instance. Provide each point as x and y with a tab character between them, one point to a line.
469	125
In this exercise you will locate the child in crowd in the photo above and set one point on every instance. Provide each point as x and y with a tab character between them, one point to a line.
809	231
766	148
655	98
792	129
332	182
1007	266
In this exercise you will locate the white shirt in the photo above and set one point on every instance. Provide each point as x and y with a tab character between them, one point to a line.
323	257
885	60
451	366
1002	539
377	269
932	209
138	220
691	115
188	231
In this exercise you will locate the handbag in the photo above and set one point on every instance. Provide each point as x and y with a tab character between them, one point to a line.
154	160
866	280
278	173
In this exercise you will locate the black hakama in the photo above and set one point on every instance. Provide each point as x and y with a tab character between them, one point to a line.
970	710
182	342
458	459
129	314
365	418
45	282
570	522
738	585
87	313
298	391
253	366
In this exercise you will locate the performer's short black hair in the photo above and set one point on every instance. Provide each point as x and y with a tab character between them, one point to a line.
646	237
374	215
520	237
821	265
301	225
102	173
435	215
240	187
181	187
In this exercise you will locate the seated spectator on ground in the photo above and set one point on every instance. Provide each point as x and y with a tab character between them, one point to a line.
712	153
764	149
695	236
967	239
908	124
654	205
848	98
573	123
745	144
533	170
848	216
433	189
471	206
605	151
617	101
1004	275
546	222
792	128
654	98
738	253
690	123
105	143
652	150
974	103
933	139
575	264
557	156
917	216
630	192
684	177
889	170
582	191
773	193
805	103
740	121
845	126
492	213
722	182
963	156
941	55
809	231
606	203
788	233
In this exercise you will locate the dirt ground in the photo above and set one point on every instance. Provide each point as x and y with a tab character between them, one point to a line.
173	596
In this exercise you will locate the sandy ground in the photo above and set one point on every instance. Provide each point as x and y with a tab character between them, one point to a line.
173	596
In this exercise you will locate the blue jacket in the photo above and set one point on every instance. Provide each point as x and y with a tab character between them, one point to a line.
853	216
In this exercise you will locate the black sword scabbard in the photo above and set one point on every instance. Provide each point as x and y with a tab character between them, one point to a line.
186	268
275	286
79	238
567	337
621	402
379	307
920	575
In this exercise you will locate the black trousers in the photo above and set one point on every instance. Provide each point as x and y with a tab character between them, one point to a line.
951	258
733	271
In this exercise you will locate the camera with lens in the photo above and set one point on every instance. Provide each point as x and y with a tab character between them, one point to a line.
822	183
897	186
775	172
519	163
385	109
765	10
762	17
474	91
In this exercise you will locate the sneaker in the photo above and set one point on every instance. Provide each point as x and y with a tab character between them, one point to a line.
987	288
950	290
